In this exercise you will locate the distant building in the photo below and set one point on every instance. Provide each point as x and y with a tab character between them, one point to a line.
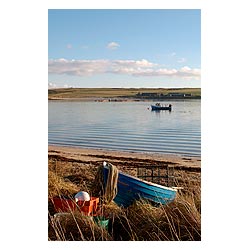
175	94
161	95
178	95
148	94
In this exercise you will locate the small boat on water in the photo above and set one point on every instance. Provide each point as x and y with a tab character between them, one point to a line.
130	188
158	106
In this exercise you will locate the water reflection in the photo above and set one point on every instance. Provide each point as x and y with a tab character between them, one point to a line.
158	111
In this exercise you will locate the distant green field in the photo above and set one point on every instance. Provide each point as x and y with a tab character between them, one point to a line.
114	92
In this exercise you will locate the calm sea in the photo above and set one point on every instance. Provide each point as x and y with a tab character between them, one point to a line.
126	126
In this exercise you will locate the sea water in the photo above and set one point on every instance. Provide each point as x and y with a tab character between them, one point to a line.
127	126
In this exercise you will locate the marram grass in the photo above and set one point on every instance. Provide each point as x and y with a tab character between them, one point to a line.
177	221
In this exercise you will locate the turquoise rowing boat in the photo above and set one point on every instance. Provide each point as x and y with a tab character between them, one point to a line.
130	188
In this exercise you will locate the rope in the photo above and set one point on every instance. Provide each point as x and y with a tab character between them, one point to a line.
110	191
111	185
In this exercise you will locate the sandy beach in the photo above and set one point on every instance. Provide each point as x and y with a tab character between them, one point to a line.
82	163
119	158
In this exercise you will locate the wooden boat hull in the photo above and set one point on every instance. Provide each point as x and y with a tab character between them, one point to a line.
132	188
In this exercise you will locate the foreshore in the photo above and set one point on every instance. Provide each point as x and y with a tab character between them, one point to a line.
97	155
84	161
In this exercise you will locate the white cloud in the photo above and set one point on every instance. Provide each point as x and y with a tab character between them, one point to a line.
133	63
51	85
68	86
63	85
156	72
188	73
185	72
78	67
125	67
113	45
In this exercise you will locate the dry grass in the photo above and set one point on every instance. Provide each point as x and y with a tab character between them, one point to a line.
58	186
75	227
177	221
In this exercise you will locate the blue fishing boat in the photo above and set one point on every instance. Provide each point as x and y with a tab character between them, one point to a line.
158	106
130	188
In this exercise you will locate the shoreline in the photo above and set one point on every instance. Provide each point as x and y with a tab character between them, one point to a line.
96	155
117	99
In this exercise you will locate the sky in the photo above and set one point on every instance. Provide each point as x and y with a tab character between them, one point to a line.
124	48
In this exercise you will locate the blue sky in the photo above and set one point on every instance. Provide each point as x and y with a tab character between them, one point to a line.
124	48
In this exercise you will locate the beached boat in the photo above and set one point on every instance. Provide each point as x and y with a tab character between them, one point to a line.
130	188
158	106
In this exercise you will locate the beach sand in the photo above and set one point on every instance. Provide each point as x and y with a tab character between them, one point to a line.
81	164
97	155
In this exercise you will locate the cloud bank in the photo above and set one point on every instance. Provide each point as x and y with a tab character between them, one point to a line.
124	67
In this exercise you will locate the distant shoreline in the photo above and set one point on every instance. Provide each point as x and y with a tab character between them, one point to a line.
124	94
118	99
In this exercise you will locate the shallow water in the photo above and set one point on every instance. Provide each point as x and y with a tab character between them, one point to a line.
126	126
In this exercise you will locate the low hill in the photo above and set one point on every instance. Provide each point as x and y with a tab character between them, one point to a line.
68	93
